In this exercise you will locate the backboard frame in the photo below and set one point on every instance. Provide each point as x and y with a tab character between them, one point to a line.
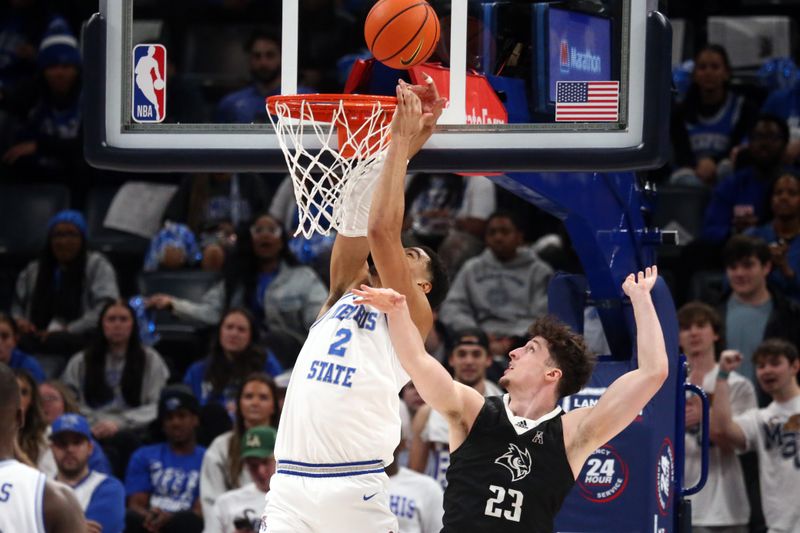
643	143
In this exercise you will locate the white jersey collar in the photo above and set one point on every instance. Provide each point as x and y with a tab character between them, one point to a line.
522	424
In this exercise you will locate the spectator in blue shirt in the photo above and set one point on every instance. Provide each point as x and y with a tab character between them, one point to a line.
785	103
13	356
235	355
712	116
781	235
101	496
163	480
741	201
247	106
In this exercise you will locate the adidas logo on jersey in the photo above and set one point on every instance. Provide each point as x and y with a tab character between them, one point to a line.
522	424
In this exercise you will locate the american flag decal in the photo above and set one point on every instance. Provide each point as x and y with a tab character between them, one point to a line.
587	101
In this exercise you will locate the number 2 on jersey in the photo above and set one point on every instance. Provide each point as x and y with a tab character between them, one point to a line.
493	504
338	347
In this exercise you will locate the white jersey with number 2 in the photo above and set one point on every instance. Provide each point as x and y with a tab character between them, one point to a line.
21	498
342	404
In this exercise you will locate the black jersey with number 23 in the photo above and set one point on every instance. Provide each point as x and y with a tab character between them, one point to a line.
501	480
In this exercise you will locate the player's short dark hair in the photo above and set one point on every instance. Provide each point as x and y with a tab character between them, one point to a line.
9	388
262	34
700	313
568	351
775	348
740	247
440	280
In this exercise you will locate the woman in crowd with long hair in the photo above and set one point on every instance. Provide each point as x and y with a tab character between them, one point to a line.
256	405
118	382
32	437
235	354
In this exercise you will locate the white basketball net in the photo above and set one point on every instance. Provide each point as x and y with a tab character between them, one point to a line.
328	184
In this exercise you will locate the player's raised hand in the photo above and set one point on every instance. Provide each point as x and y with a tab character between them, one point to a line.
432	103
384	300
406	122
641	284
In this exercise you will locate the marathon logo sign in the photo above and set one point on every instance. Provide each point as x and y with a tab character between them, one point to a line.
573	60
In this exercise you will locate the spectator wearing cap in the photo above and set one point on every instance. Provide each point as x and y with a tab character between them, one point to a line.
163	480
50	142
101	496
469	359
59	296
58	399
239	510
501	290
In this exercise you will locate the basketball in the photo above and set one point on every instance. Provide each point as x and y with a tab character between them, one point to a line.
158	84
401	33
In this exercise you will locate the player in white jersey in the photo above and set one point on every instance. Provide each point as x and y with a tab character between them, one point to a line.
340	421
28	502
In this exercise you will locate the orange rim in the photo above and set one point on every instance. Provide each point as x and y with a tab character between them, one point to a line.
324	105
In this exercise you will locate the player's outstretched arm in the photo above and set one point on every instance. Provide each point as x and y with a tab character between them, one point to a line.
388	208
432	107
724	431
629	393
458	403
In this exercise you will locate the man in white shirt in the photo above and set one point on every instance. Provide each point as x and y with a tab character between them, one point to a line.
722	505
414	498
773	431
239	510
470	358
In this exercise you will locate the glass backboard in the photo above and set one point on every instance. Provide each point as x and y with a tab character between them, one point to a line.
568	85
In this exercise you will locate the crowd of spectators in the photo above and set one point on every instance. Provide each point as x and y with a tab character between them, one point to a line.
153	438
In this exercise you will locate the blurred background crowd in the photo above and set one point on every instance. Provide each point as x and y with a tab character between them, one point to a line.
161	362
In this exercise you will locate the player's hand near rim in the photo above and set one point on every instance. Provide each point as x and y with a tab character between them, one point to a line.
432	107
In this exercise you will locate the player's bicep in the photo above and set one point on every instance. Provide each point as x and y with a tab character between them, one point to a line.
617	408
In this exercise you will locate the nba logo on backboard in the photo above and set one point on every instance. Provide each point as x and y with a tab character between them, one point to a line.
149	84
563	55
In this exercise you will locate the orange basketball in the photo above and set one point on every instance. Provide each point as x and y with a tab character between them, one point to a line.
401	33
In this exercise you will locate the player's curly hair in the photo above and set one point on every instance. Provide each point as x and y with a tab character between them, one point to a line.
568	352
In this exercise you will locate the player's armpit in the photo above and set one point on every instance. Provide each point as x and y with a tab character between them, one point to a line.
588	429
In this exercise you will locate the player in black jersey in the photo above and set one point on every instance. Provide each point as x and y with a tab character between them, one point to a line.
514	459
